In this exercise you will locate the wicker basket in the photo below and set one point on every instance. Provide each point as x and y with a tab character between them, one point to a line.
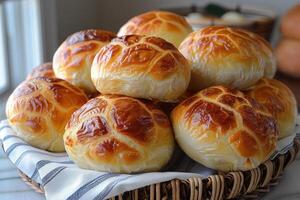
243	185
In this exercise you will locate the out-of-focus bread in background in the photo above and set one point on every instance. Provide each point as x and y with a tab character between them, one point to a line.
288	48
290	23
288	56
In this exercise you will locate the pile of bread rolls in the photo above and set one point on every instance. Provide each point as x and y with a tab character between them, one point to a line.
214	95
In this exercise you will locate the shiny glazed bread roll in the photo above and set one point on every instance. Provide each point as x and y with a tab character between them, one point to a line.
142	67
225	130
43	70
39	109
119	134
279	101
227	56
73	59
169	26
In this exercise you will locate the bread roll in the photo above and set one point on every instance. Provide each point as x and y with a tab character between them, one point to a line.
290	23
43	70
142	67
119	134
227	56
225	130
288	57
169	26
73	59
279	101
39	109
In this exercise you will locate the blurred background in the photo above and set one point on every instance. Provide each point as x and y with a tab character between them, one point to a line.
31	30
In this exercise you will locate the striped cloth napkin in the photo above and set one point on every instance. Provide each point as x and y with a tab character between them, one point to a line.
62	179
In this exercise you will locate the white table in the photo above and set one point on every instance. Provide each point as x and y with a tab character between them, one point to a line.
13	188
11	185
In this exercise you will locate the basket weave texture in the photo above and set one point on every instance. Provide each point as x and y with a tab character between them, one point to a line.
242	185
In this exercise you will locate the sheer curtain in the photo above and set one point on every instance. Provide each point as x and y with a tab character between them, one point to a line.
21	44
4	81
22	39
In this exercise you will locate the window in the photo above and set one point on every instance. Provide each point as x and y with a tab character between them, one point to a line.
21	40
20	44
3	55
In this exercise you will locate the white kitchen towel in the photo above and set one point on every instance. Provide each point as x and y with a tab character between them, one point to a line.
62	179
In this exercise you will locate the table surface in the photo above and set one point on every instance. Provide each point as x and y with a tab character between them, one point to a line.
12	187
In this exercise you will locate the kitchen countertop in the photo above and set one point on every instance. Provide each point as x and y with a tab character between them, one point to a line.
12	187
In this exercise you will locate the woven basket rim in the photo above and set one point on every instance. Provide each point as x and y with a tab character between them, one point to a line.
238	184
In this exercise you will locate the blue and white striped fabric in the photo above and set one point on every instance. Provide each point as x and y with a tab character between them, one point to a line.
62	179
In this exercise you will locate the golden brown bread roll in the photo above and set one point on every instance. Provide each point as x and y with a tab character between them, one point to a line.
119	134
141	66
43	70
288	57
290	23
39	109
73	59
227	56
225	130
279	100
169	26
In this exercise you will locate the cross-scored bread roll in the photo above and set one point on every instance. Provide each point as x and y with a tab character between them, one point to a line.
43	70
227	56
119	134
279	100
141	66
39	109
73	59
225	130
169	26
